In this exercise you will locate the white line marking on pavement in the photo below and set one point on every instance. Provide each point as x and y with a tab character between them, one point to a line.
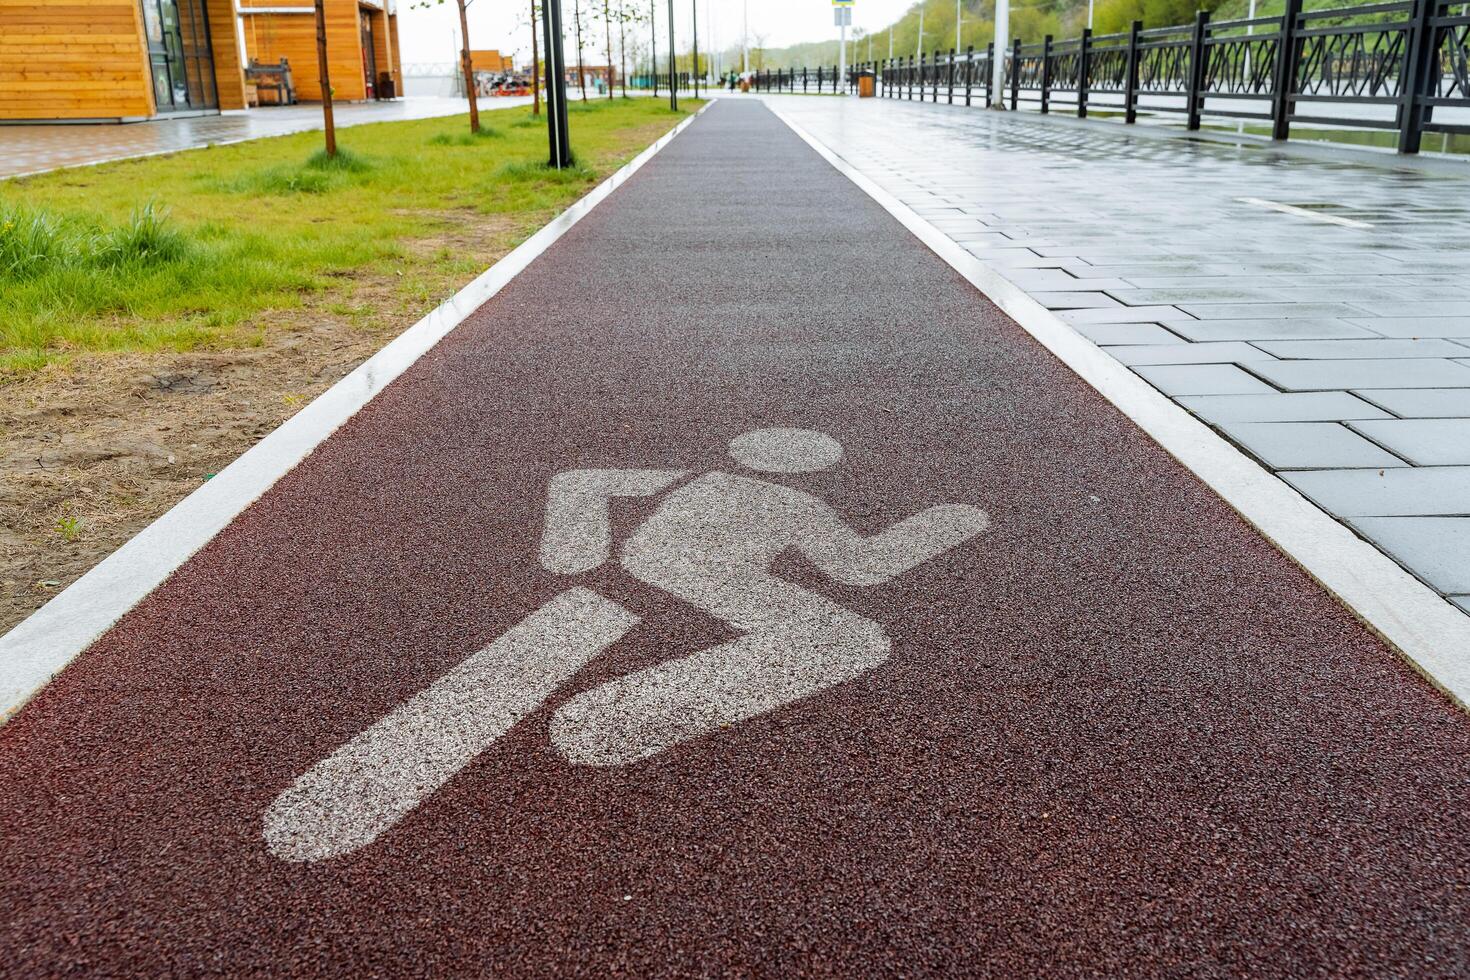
1431	634
355	794
40	646
1261	202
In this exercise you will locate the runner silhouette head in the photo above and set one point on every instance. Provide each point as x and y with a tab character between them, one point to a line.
785	450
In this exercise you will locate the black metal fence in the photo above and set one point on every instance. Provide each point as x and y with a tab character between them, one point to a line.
807	80
660	81
1390	64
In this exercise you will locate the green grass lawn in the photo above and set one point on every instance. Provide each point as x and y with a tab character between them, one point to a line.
190	250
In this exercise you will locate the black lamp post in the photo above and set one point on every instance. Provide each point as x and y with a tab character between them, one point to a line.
556	93
673	65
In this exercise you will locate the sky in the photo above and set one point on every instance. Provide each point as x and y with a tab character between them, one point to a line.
432	34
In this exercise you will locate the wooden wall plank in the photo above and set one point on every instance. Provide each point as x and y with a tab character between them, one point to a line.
229	60
99	44
270	37
86	59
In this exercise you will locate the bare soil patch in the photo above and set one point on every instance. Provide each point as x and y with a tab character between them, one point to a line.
93	450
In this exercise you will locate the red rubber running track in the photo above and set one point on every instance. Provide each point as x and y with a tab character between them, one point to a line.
1118	732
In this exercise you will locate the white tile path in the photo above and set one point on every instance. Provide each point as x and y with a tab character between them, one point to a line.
1318	346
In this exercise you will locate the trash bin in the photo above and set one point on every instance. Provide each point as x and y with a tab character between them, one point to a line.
867	84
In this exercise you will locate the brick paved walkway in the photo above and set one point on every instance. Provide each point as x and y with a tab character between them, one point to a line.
1315	311
29	149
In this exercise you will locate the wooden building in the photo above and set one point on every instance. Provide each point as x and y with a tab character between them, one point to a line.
492	61
362	45
125	60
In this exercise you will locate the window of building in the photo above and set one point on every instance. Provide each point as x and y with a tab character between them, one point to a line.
179	54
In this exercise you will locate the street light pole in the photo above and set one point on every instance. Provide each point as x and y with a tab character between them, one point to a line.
694	26
745	36
959	18
1002	45
673	65
714	41
842	14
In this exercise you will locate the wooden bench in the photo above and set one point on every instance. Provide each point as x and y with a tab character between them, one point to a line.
272	78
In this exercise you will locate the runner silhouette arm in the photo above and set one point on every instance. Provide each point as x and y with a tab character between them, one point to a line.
847	557
578	535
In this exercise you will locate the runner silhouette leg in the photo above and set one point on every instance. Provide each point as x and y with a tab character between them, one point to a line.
796	644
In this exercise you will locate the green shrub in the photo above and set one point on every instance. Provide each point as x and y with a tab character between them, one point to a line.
343	161
146	239
289	180
29	241
526	170
466	138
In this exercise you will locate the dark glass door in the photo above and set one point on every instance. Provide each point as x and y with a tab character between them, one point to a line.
369	54
179	54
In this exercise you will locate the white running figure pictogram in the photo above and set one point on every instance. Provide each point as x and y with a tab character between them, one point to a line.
711	543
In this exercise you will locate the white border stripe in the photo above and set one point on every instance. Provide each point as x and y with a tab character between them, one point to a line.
1330	219
37	649
1425	629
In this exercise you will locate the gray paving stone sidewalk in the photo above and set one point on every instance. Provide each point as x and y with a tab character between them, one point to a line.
26	149
1332	342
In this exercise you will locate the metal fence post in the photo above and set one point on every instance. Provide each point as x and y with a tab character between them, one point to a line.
951	76
989	74
969	71
1197	56
1419	76
1046	43
1130	82
1016	75
1286	55
910	74
1084	71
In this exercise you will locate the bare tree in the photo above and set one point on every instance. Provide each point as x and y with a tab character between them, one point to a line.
623	45
469	69
329	125
581	67
607	28
464	58
535	66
